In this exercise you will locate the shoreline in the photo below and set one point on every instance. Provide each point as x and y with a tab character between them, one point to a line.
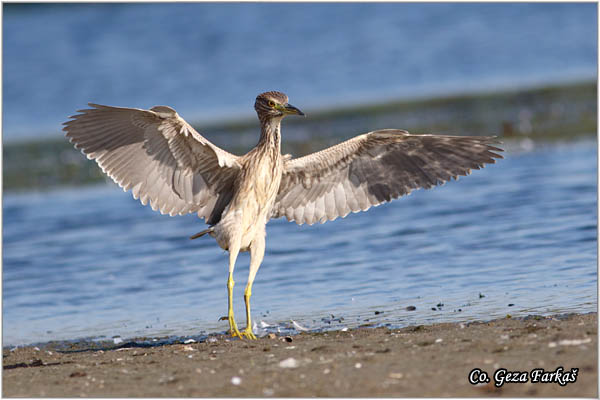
550	112
417	361
572	87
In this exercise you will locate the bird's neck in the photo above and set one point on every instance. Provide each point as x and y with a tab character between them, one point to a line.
270	134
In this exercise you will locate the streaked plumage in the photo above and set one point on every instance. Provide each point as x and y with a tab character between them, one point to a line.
165	162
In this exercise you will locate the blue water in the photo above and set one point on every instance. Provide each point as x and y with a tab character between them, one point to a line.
93	262
209	61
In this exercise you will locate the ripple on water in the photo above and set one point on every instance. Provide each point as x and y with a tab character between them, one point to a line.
93	262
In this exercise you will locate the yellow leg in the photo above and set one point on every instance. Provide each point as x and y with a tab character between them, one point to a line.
257	252
233	329
248	331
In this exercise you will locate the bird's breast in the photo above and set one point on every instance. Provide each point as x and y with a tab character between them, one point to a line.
250	208
262	183
257	185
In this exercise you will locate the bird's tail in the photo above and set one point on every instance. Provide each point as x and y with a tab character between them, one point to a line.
200	234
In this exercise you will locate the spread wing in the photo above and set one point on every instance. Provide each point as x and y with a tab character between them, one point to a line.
157	155
374	168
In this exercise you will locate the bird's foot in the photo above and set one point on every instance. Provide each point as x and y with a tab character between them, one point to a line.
248	333
233	329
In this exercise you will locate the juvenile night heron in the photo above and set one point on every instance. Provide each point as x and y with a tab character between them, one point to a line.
167	163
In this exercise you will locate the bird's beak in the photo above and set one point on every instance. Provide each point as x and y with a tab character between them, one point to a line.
290	109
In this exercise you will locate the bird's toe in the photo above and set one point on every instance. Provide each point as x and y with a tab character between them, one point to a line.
233	329
249	334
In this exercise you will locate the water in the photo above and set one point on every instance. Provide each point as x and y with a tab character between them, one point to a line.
94	263
209	61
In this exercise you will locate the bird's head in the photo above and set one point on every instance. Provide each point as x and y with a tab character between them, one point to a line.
273	105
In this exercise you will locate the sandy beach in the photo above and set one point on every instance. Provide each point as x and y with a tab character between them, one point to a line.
417	361
394	265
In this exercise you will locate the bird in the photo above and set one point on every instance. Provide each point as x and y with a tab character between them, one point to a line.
165	162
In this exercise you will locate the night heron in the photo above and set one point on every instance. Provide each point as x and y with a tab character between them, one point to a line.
167	163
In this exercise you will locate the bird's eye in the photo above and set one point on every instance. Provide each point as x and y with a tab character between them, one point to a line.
271	103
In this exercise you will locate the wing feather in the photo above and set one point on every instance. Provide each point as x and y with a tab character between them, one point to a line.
156	154
374	168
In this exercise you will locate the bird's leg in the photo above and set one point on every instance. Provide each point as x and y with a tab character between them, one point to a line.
233	329
257	252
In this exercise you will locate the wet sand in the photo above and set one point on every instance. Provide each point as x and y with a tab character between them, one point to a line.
418	361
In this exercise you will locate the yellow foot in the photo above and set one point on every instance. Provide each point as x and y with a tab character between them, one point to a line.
233	329
248	333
